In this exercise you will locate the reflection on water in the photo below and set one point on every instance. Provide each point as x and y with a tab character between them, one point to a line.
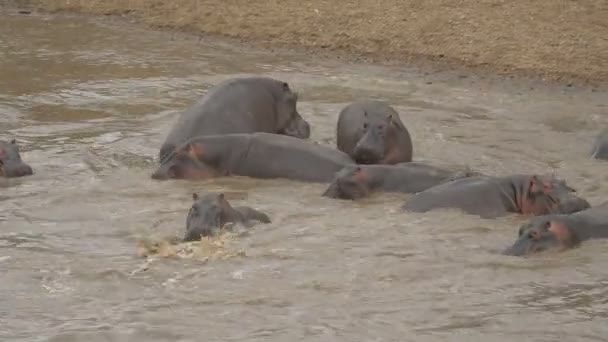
91	101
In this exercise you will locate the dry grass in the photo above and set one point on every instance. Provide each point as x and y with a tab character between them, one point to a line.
552	38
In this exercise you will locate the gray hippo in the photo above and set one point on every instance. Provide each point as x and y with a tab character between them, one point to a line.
212	211
358	181
240	105
491	197
371	132
560	232
11	164
257	155
600	147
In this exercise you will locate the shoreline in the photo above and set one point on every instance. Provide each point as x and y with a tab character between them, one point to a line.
235	28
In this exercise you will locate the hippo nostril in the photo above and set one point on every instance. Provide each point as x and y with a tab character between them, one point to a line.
159	175
365	156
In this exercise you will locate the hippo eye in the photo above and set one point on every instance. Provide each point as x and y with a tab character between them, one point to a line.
533	235
364	126
174	172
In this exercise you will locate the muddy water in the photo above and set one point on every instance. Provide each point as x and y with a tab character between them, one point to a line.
91	102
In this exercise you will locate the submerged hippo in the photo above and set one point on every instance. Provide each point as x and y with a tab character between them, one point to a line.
11	164
600	147
560	232
257	155
211	212
240	105
359	181
371	132
491	197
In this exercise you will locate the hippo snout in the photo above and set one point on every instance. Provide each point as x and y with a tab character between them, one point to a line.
572	204
369	149
519	248
159	175
332	191
526	246
346	189
366	155
20	169
298	128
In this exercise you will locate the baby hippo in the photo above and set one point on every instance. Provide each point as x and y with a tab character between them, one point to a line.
212	211
11	164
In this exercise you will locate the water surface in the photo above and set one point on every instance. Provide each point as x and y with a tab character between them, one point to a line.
91	101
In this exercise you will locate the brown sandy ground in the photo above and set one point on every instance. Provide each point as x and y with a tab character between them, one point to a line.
554	39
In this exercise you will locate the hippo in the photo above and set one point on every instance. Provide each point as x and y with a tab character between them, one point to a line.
491	197
257	155
212	211
371	132
600	147
560	232
11	164
240	105
358	181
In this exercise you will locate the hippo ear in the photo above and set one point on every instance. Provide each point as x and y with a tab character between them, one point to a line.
221	196
194	196
533	234
196	151
538	185
13	141
285	86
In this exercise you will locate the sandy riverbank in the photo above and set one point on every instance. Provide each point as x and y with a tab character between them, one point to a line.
557	40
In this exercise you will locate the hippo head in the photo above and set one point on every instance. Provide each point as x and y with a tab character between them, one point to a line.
541	234
550	195
349	183
208	213
183	163
11	164
289	121
370	148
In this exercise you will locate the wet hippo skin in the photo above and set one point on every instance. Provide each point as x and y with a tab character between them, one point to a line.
491	197
371	132
240	105
257	155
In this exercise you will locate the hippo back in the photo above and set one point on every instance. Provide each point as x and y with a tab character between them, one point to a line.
280	156
478	195
239	105
598	213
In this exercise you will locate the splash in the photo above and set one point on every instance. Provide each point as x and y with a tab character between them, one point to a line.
219	247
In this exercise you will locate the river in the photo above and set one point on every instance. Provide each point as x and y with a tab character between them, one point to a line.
91	100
